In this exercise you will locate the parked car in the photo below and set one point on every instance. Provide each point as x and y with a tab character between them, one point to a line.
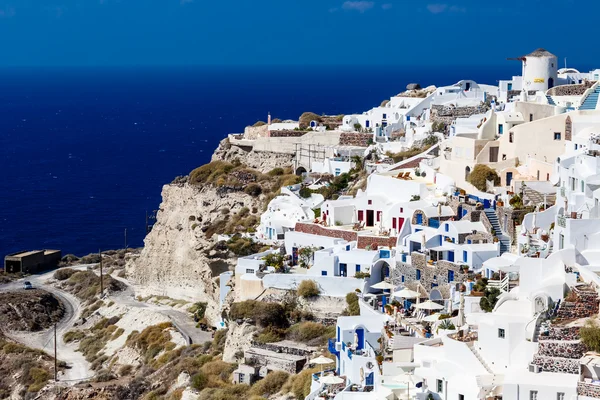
27	285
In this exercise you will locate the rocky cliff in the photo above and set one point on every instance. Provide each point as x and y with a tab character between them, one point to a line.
178	259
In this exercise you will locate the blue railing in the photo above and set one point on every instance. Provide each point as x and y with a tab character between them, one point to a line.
332	349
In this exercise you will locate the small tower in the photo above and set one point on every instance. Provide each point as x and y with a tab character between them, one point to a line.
269	119
539	70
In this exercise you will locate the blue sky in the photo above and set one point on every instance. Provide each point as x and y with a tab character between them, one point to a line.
333	32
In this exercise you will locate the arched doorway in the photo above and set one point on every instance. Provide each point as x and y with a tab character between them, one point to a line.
467	172
550	83
300	171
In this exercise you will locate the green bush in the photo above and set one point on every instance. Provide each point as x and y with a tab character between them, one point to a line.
63	274
305	192
264	314
199	381
270	335
362	275
218	343
276	172
270	385
259	123
73	336
308	289
480	175
274	260
590	335
253	189
352	301
209	173
198	309
306	118
489	299
313	332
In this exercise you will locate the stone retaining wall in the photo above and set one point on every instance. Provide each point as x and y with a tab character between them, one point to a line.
589	390
561	333
571	90
287	133
557	364
446	114
375	241
574	350
585	305
356	139
277	348
315	229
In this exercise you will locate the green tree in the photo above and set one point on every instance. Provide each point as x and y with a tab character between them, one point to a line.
274	260
480	175
358	162
489	299
305	192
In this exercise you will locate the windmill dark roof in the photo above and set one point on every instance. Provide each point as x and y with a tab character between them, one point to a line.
540	53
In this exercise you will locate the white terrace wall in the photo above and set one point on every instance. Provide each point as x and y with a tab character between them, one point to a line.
329	285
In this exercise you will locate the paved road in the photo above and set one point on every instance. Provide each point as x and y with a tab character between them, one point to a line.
181	320
78	367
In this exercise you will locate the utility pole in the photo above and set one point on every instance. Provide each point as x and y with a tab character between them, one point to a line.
55	357
101	283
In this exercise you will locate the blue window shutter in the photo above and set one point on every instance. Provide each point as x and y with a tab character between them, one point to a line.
418	274
324	273
357	267
464	255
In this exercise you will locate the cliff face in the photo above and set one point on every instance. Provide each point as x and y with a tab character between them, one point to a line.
177	260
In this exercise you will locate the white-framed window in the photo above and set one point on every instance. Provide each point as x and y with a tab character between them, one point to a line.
501	333
533	395
440	386
249	271
560	396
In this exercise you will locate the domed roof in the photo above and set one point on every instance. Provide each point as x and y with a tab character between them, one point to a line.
540	53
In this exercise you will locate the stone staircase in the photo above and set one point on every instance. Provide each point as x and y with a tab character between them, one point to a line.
481	360
503	239
536	197
591	102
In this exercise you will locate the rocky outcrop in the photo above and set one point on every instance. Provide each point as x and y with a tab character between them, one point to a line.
176	260
260	160
239	339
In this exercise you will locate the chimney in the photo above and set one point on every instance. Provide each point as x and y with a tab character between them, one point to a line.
269	119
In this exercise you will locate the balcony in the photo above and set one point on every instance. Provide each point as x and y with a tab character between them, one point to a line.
331	348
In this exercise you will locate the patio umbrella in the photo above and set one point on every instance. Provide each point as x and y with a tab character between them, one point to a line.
383	286
461	311
331	380
409	379
432	317
406	294
321	360
429	305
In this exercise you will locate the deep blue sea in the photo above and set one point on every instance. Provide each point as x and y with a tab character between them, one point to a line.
84	152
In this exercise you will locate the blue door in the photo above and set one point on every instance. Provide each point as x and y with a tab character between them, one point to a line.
419	219
451	256
450	276
508	178
361	338
343	270
369	379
